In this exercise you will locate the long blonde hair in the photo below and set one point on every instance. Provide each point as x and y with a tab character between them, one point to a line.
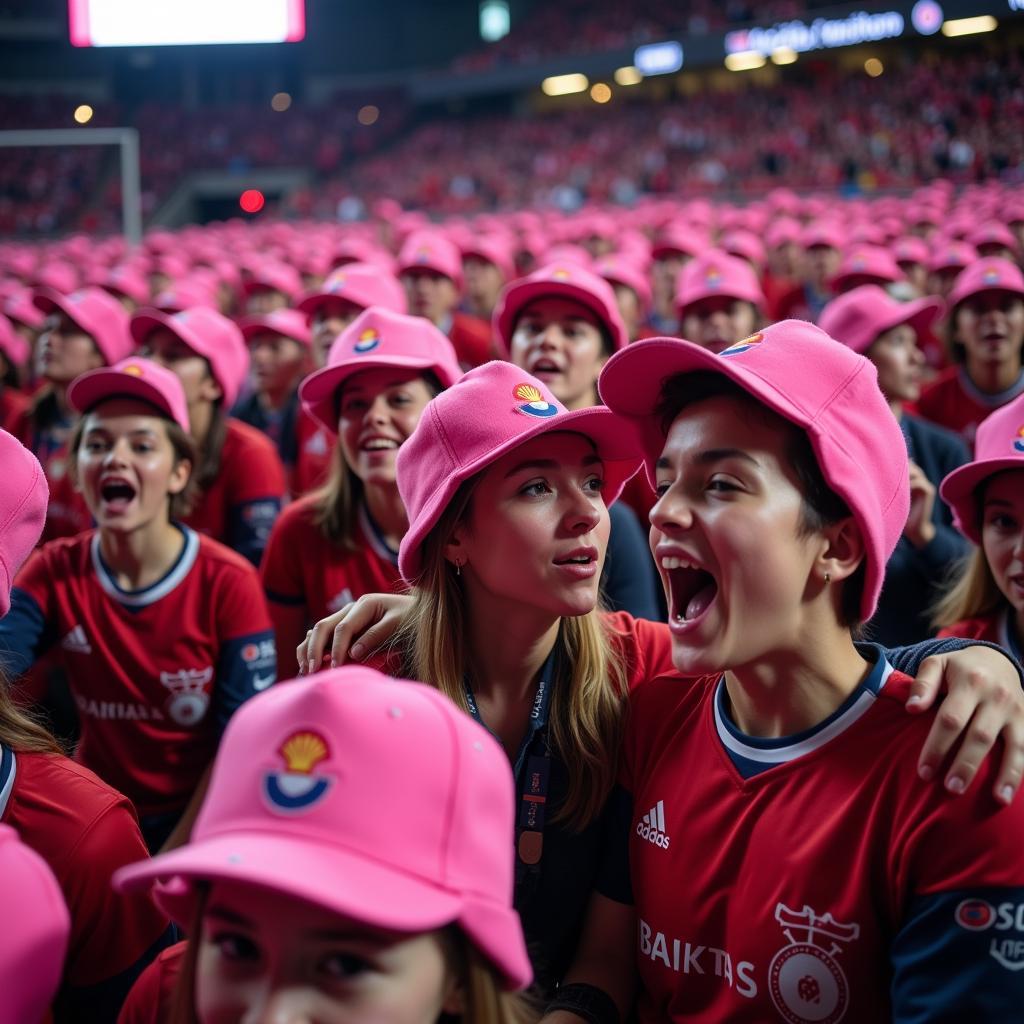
336	503
586	718
973	592
19	731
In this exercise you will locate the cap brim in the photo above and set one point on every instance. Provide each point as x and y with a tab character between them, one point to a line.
47	299
333	877
958	488
95	386
616	442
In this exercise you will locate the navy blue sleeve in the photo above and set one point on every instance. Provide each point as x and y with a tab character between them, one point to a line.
24	634
908	659
248	665
629	582
959	956
613	872
249	526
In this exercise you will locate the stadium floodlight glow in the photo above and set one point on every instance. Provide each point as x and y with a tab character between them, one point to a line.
628	75
745	60
784	55
495	20
564	85
185	22
658	58
969	26
600	92
83	113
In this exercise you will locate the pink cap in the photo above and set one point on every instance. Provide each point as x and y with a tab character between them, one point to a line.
23	500
361	284
616	269
990	274
57	275
12	344
288	322
867	264
859	316
125	281
562	280
492	250
357	250
783	231
277	277
132	378
911	250
744	244
34	939
372	797
717	273
97	313
823	232
678	240
856	438
488	412
376	338
428	250
182	295
950	255
998	446
20	309
209	334
993	233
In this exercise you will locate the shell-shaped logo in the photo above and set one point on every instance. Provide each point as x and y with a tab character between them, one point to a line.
859	262
336	284
561	274
422	255
133	370
743	346
712	277
367	341
298	787
533	402
1018	441
990	275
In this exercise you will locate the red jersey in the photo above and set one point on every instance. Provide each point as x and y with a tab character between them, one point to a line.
241	504
315	448
13	406
953	402
85	831
160	669
471	338
815	878
151	999
302	569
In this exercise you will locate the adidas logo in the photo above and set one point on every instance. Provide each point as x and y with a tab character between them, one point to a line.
76	641
652	826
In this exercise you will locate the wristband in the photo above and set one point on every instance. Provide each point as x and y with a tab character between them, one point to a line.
591	1003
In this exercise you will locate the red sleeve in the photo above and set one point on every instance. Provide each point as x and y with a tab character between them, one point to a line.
472	340
241	606
280	567
151	998
109	931
36	579
646	647
255	470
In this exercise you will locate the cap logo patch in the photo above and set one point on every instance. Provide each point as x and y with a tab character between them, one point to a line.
133	370
1018	441
298	787
561	274
533	402
368	340
422	255
712	277
743	346
858	262
990	276
336	284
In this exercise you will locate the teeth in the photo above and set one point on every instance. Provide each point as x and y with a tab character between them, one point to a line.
672	562
379	444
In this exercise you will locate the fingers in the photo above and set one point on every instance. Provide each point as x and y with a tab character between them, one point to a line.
951	720
981	735
1011	770
926	685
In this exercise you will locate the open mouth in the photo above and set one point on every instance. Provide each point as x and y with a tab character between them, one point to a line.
544	367
580	563
117	492
692	590
378	444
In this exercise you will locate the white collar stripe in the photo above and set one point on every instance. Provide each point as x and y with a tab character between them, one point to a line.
7	780
158	590
373	537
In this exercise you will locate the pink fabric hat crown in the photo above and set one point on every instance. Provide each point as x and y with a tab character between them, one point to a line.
998	446
126	280
716	273
278	277
378	338
867	264
488	412
132	378
209	334
950	254
558	280
989	274
859	316
911	250
361	284
621	269
97	313
429	250
23	500
492	250
34	939
373	797
826	389
288	322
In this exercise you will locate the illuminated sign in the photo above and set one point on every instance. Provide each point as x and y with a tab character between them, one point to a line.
658	58
820	34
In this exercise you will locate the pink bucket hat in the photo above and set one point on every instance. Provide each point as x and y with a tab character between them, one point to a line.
993	233
990	274
823	232
277	277
428	250
361	284
560	280
488	412
491	250
372	797
34	939
745	245
288	322
182	295
716	273
97	313
998	446
12	344
209	334
57	275
951	255
126	281
621	270
911	250
859	316
23	500
132	378
856	438
677	240
377	338
20	309
867	264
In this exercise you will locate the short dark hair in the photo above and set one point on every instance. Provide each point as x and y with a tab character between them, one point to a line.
821	506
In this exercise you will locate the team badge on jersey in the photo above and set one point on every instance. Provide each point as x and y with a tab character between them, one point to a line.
806	983
189	697
534	402
368	341
975	915
299	787
743	346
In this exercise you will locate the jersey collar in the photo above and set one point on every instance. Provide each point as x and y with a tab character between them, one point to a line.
8	772
155	591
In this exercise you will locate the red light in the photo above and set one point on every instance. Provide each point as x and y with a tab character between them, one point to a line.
251	200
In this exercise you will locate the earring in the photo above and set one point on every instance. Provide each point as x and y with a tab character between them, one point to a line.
828	579
458	566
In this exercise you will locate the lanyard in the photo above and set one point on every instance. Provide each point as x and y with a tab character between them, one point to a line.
534	756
